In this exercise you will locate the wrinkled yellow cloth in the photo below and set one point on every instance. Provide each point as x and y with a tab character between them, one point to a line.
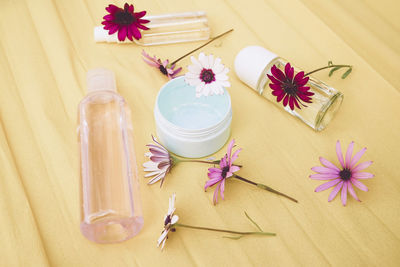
46	48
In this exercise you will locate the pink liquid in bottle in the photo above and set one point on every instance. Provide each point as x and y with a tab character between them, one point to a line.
110	201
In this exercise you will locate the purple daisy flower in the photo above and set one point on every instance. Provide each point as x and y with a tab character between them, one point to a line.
343	179
225	170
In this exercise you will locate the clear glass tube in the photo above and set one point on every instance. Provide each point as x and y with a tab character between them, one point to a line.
175	28
325	101
165	29
110	201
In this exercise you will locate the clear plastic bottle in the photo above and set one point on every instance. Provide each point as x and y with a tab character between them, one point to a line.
110	201
165	29
254	63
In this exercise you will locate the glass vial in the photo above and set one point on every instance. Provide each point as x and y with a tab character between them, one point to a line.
253	64
110	202
166	29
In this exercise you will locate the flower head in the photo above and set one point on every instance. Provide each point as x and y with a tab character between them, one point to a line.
289	87
124	21
225	170
160	162
208	75
346	176
169	220
164	67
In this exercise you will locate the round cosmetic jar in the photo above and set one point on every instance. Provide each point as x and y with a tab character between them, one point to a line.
190	126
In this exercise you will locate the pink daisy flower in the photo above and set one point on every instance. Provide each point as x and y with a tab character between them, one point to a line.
124	21
225	170
343	178
164	67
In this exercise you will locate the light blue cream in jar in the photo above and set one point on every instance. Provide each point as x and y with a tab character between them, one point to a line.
191	126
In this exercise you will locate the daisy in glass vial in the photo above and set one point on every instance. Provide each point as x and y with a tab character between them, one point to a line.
208	75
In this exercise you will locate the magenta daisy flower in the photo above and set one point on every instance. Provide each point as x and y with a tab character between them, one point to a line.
124	21
225	170
289	87
343	178
164	67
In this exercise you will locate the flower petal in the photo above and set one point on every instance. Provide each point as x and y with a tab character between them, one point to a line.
215	197
222	189
214	175
286	100
335	191
229	150
289	71
363	175
211	61
174	219
361	166
357	157
157	178
328	164
327	185
136	33
234	168
324	176
359	185
122	33
349	153
291	102
162	238
325	170
278	74
339	153
203	59
235	155
352	192
212	182
344	193
152	173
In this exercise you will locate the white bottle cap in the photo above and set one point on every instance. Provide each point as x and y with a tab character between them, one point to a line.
100	80
250	62
101	35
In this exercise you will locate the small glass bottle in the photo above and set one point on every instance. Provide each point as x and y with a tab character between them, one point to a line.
110	202
313	102
165	29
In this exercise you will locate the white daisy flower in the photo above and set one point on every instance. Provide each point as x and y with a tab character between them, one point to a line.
208	75
160	162
169	220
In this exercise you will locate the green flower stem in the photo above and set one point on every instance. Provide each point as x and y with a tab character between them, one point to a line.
328	67
265	187
212	39
200	161
222	230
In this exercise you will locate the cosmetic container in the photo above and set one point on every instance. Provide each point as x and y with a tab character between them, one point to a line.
165	29
253	64
191	126
110	202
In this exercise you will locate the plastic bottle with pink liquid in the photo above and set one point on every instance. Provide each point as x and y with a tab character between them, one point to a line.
110	201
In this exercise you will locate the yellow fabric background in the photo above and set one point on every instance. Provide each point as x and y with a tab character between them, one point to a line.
47	46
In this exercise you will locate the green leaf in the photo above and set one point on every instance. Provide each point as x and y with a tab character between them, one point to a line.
233	237
333	70
248	217
347	73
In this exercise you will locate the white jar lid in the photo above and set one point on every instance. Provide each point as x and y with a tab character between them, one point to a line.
250	62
